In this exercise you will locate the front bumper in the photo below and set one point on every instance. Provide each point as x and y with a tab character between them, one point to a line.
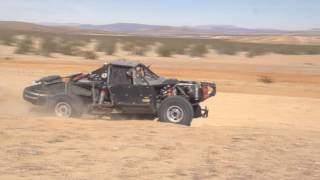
34	97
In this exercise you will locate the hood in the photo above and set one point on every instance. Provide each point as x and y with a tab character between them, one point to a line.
50	79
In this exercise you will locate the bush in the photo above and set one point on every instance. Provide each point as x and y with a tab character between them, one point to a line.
90	55
8	40
8	58
111	50
254	53
128	47
164	51
48	46
223	47
67	46
140	51
265	79
198	50
66	49
109	47
25	46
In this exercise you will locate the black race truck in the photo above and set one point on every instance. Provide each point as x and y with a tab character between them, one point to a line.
122	87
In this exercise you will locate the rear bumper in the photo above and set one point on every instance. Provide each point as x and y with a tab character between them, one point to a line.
34	97
204	112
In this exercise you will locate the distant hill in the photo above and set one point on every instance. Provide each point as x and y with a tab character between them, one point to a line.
31	27
23	26
316	29
121	27
160	29
141	29
233	29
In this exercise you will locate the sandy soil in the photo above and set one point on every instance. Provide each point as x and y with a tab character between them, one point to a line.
302	39
254	130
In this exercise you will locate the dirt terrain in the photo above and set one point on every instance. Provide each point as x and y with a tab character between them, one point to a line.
303	38
254	130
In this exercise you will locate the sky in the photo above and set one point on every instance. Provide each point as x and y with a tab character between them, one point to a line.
275	14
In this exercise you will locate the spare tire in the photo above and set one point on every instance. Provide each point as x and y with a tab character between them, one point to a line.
177	110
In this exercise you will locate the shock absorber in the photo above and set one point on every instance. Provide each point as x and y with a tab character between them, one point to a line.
103	93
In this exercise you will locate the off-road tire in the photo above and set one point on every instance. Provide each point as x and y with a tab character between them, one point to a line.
72	104
176	110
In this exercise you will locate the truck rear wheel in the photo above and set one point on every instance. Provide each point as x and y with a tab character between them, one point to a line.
176	110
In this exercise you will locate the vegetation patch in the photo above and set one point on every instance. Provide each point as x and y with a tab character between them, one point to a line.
107	46
70	44
90	55
265	79
48	46
25	46
164	51
198	50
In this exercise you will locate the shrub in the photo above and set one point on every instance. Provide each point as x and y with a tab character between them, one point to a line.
254	53
48	46
265	79
128	47
198	50
140	51
227	48
8	58
164	51
90	55
8	40
109	47
25	46
177	47
66	49
67	46
110	50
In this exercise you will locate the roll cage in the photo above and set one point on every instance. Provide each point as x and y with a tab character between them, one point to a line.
119	74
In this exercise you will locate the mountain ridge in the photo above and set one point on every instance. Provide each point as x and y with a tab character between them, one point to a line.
142	29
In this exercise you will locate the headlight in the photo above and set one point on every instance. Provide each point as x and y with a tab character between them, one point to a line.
35	83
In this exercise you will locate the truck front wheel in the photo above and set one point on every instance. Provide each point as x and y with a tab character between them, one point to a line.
64	106
63	109
176	110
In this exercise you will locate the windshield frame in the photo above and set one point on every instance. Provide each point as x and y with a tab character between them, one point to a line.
148	71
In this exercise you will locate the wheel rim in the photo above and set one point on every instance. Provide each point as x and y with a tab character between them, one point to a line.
175	114
63	109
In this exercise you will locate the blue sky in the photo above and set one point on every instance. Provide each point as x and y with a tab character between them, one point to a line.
280	14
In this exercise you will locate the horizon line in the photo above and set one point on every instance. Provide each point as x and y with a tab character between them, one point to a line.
165	25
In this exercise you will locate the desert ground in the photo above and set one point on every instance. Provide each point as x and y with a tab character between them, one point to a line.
255	130
293	38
